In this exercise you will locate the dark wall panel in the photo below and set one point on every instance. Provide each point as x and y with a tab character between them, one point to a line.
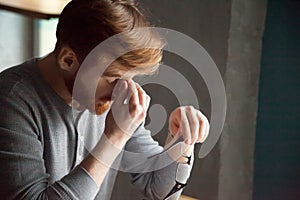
277	155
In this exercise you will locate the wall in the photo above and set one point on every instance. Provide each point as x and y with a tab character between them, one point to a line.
277	160
231	32
242	76
208	23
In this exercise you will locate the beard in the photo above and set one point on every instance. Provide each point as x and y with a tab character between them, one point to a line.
84	100
100	108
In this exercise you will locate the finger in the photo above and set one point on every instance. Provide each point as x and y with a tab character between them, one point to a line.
185	127
203	127
132	92
142	95
207	131
193	122
133	97
148	100
121	92
116	89
174	121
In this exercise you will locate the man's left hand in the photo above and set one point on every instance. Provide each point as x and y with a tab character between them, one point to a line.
190	124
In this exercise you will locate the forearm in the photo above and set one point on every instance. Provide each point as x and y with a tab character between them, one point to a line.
99	161
170	181
159	170
158	184
32	181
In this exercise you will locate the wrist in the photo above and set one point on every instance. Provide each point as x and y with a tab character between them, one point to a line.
186	150
181	152
101	158
118	139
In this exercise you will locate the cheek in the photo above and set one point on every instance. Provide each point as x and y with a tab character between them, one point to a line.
104	91
80	93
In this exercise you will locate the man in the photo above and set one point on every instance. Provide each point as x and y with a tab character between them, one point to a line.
50	151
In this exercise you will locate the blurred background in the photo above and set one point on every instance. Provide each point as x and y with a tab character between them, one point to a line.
256	46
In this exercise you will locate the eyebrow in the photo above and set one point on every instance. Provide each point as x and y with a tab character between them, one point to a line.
119	76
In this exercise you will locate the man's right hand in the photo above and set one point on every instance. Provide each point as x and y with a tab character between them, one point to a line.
125	116
121	122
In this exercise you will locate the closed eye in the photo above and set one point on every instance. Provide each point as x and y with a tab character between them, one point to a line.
112	80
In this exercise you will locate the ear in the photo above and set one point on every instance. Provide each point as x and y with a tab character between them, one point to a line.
67	60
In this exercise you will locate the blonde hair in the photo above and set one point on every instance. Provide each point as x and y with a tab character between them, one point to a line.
84	24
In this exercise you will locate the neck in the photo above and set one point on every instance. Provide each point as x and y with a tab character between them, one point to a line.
54	76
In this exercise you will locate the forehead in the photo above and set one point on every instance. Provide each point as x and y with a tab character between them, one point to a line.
120	73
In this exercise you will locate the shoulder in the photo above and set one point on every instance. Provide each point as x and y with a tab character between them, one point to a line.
16	103
17	79
19	74
16	87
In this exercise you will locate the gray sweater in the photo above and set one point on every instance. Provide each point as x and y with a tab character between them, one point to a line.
42	141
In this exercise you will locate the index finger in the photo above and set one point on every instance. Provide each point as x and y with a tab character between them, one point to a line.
132	95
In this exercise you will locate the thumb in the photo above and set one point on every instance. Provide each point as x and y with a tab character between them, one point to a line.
174	122
173	128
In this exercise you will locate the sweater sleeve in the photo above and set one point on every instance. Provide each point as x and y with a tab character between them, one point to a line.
156	177
22	169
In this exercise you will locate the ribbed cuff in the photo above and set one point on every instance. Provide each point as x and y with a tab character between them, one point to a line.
80	184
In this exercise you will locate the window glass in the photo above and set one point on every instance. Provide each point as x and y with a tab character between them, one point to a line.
45	38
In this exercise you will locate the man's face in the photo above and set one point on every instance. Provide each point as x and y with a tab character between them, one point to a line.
100	100
104	92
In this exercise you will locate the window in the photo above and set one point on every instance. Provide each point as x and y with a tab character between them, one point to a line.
44	33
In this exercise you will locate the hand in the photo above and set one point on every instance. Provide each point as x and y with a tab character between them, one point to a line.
123	119
189	123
